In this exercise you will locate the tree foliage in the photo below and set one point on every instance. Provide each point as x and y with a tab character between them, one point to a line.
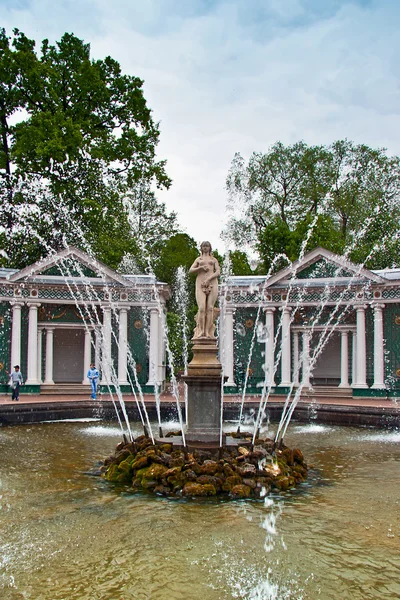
82	130
344	197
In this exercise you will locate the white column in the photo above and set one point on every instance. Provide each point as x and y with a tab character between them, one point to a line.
285	358
296	363
16	334
161	347
269	359
39	353
97	348
123	347
305	359
344	359
32	377
48	372
153	346
227	358
353	359
379	371
361	353
87	354
106	349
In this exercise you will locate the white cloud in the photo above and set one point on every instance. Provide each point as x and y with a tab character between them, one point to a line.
232	76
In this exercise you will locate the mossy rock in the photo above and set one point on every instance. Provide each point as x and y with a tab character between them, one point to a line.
228	471
230	482
251	483
196	489
173	472
112	473
284	483
247	470
123	478
166	448
125	466
210	480
140	463
209	467
189	475
164	490
241	491
149	484
287	455
121	455
298	456
154	471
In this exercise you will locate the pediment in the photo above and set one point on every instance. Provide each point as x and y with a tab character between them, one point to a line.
67	264
324	265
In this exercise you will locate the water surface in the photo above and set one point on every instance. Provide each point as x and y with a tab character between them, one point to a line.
68	535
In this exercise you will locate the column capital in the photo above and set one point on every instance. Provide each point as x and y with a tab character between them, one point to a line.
378	306
270	309
286	309
360	307
17	303
33	304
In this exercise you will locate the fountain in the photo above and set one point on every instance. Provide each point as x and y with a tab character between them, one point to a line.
302	541
203	461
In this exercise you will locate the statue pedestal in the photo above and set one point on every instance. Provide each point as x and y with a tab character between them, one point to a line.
204	380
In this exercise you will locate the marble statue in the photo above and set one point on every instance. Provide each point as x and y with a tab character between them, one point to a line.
208	271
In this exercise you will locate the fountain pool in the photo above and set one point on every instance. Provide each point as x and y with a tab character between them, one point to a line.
68	535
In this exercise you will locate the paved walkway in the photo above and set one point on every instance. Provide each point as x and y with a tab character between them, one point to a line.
5	399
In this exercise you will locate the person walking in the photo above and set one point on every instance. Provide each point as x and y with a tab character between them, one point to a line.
16	380
93	376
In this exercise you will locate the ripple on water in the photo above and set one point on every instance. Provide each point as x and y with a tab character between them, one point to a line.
101	431
382	437
313	428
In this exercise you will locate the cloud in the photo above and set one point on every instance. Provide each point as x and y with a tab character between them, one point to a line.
235	76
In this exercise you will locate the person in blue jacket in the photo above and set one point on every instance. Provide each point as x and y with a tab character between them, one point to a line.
93	376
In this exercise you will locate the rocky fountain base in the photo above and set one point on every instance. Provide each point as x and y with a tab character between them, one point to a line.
235	471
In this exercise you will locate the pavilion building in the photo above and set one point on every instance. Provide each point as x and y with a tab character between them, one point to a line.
68	310
321	322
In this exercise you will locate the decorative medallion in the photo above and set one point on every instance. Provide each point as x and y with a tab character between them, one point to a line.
397	372
377	295
1	320
124	296
284	297
138	324
138	368
1	366
228	298
249	323
34	293
397	320
250	371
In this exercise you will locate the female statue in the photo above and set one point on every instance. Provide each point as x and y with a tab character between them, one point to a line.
208	271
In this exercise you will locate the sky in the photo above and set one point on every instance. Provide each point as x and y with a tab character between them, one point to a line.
226	76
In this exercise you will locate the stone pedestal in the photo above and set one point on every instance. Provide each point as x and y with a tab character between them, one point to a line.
204	380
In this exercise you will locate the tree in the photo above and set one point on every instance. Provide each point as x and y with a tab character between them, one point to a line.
337	196
86	132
